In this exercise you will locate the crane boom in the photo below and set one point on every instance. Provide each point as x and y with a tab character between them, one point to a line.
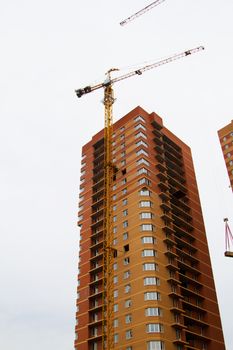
141	12
109	169
109	81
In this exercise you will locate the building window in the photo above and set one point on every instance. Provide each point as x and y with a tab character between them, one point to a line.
147	227
143	171
128	303
125	236
144	192
114	197
154	328
125	224
126	248
115	266
144	181
152	296
148	239
94	346
141	143
151	281
123	154
150	267
115	241
125	212
128	318
115	307
129	348
145	204
228	155
115	323
122	145
114	208
155	345
127	288
139	118
125	201
115	229
124	191
153	311
128	334
115	279
116	338
115	293
122	136
141	151
140	134
226	146
140	126
146	215
224	139
230	163
126	275
124	181
149	252
114	218
114	187
122	128
123	162
126	261
142	161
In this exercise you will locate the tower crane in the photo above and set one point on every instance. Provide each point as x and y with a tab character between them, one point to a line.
108	251
141	12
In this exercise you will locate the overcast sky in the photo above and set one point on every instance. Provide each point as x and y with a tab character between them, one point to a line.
48	49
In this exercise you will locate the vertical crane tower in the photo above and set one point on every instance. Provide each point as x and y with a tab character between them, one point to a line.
108	250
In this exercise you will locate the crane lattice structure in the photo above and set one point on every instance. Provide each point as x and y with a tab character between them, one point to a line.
108	250
141	12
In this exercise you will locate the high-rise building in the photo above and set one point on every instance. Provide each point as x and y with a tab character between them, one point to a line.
226	140
164	292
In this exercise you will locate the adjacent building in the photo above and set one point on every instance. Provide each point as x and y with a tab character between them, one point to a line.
164	292
226	140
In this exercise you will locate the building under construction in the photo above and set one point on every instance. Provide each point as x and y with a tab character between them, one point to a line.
162	295
226	140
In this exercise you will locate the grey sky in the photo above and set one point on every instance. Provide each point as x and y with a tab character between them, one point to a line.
48	49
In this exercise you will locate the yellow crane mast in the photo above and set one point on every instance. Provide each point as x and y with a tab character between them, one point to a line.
108	250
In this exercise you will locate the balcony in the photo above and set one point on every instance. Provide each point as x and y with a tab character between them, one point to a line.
172	165
159	149
173	158
156	125
176	185
164	196
165	206
183	227
160	158
188	245
175	175
185	266
163	186
190	305
199	322
171	143
186	255
186	278
157	133
173	151
162	176
158	141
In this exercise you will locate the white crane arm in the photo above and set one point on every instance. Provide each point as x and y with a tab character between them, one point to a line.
139	71
141	12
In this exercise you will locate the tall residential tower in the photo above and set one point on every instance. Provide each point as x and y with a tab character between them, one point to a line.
164	292
226	140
